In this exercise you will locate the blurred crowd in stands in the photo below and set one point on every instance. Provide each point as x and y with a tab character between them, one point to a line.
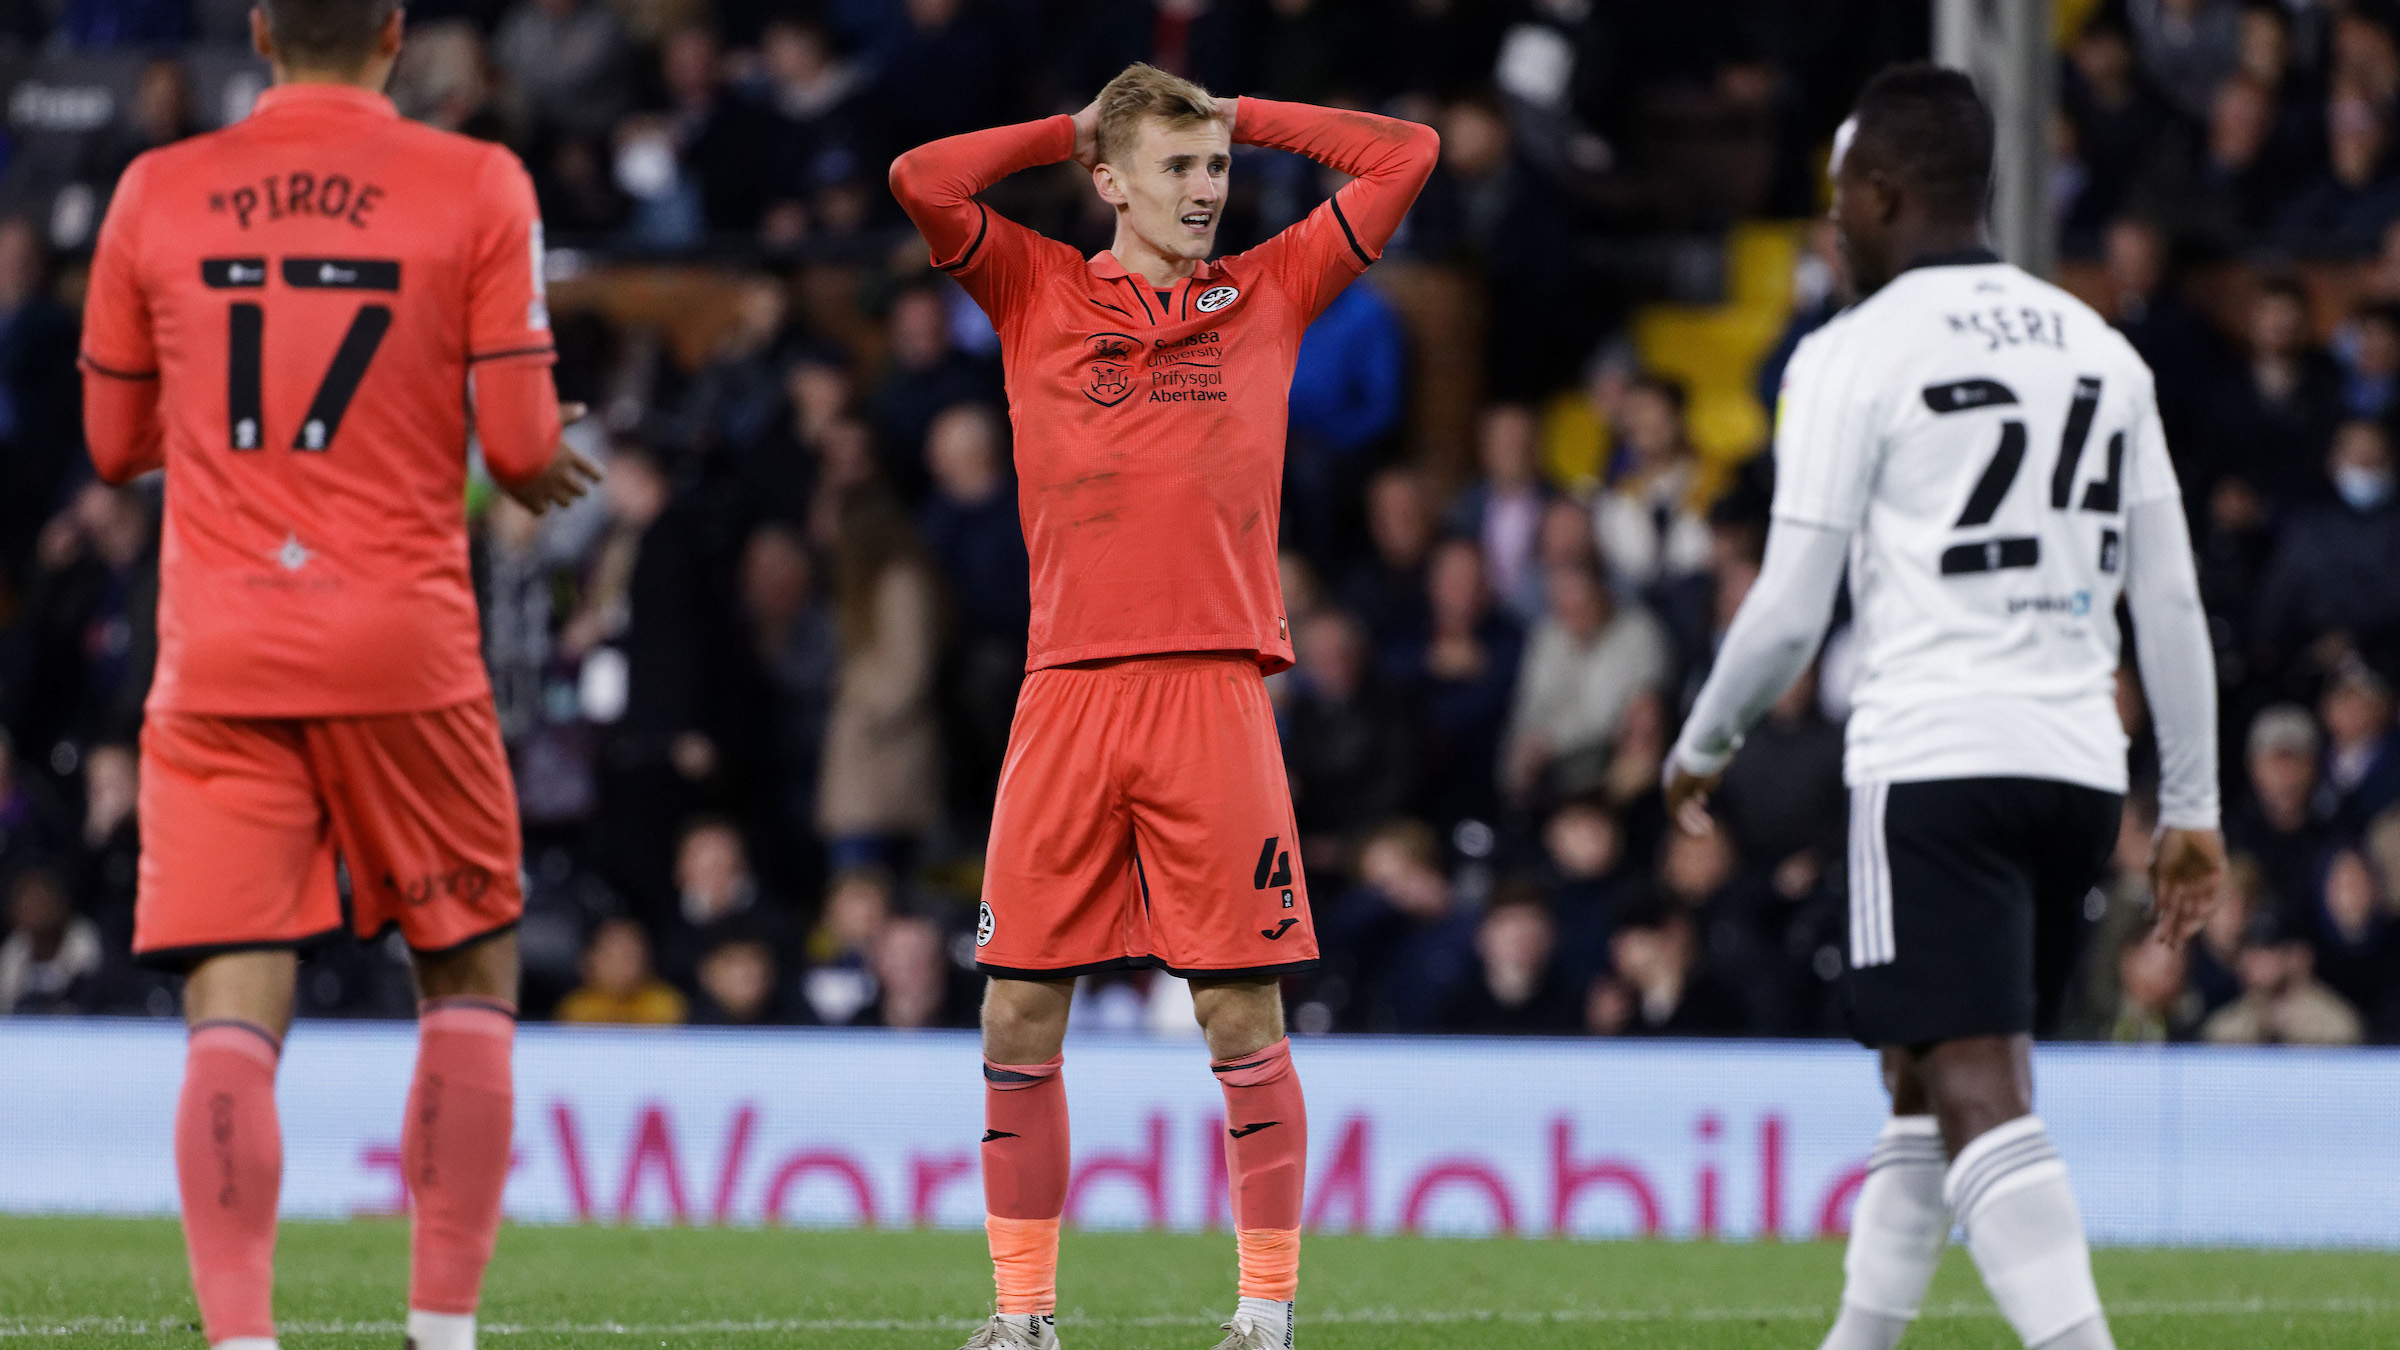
757	690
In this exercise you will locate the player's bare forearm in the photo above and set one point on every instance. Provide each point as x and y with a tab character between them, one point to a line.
936	183
2187	880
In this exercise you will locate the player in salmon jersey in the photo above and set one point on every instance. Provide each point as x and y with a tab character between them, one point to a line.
1143	816
292	316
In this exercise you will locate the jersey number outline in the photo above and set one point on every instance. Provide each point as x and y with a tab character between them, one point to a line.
246	331
2000	474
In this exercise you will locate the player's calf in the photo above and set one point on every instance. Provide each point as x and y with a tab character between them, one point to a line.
454	1143
1266	1155
228	1143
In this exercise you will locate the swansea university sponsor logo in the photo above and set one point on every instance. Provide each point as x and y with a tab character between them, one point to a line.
1215	298
1108	367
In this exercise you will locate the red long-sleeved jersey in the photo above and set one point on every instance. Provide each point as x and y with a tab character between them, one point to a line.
1150	422
284	315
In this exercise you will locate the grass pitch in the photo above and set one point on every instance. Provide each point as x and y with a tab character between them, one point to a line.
121	1283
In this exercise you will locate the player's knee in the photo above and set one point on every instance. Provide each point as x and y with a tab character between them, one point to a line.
1024	1022
486	969
1238	1017
253	987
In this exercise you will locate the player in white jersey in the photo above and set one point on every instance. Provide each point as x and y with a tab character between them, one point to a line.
1984	454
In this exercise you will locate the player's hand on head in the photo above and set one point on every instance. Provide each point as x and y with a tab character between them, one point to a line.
2187	879
1087	136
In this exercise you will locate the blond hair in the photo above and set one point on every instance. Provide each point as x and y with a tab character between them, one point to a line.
1144	92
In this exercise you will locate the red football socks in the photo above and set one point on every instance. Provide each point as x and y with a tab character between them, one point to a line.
454	1148
1266	1158
1024	1180
229	1167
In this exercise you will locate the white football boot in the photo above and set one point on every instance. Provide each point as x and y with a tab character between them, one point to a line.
1244	1333
1016	1331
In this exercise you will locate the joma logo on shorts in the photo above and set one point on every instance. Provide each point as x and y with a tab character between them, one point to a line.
462	883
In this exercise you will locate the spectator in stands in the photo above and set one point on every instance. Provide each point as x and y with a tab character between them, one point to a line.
444	79
2282	1002
2343	215
1487	203
797	658
52	960
2368	352
2362	749
1397	943
2357	954
1345	406
915	982
1460	680
977	544
567	63
2181	350
643	631
2328	589
2117	123
2158	1003
1782	797
1587	661
1501	511
89	618
822	113
1387	590
40	428
725	146
2267	59
2238	186
928	374
1652	520
839	983
618	984
1515	987
1350	746
2275	823
112	842
1657	985
881	785
2187	47
740	984
2268	425
941	78
1583	852
718	897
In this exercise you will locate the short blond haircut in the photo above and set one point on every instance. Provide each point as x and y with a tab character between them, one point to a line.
1143	92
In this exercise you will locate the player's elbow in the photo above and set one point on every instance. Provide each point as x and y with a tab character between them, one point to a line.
912	177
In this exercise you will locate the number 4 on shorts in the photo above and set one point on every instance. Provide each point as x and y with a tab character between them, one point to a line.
1274	868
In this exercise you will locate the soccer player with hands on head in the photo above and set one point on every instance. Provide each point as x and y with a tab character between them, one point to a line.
1143	817
300	318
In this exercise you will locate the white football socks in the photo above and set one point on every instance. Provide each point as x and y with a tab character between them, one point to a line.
2009	1190
441	1331
1898	1226
1271	1315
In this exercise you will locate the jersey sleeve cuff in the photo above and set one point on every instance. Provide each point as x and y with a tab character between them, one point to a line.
129	370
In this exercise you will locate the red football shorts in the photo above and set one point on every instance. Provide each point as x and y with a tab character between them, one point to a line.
1144	820
242	818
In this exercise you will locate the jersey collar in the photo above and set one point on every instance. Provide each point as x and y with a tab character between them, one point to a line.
323	98
1105	266
1961	257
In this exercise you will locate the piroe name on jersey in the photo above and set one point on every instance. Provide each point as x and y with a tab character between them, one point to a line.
298	194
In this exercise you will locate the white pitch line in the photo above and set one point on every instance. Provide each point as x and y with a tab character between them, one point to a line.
2242	1307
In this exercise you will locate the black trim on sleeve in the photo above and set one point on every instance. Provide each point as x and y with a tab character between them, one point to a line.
983	226
1335	201
472	357
108	372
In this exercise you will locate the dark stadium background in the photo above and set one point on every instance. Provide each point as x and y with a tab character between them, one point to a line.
1525	456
